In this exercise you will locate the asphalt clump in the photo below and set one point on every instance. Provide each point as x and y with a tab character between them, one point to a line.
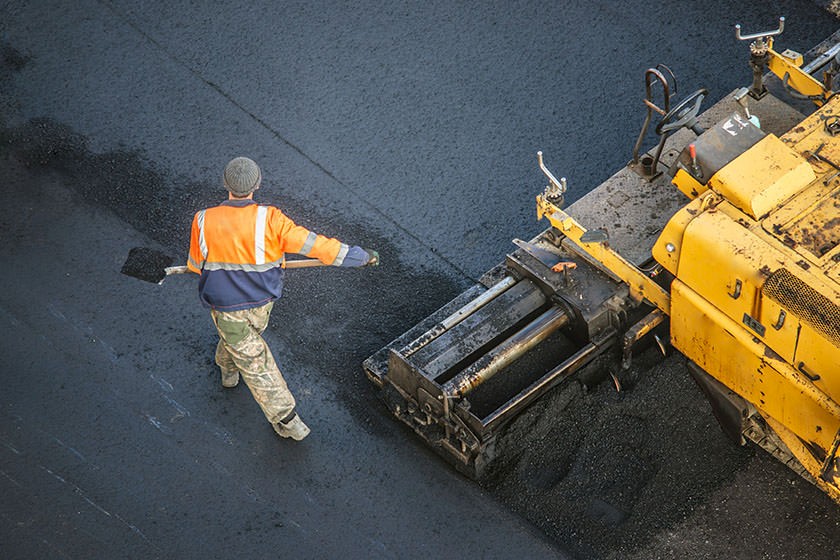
603	471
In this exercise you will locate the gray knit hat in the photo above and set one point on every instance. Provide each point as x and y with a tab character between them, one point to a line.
242	176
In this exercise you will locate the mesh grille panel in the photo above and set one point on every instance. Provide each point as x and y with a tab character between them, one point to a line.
810	306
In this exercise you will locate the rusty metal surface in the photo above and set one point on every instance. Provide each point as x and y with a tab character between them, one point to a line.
817	230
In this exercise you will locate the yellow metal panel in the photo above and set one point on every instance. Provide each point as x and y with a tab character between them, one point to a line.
792	57
818	346
816	356
727	264
688	185
834	272
810	133
798	79
724	349
782	223
782	328
816	230
763	177
668	247
719	260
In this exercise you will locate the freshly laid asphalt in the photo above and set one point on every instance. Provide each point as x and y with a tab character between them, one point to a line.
409	128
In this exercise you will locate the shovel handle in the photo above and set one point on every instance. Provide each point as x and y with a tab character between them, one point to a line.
175	270
300	263
304	263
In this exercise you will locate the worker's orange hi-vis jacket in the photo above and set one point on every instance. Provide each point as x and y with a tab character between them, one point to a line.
239	250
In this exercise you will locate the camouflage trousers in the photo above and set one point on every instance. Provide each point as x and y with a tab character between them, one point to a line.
242	350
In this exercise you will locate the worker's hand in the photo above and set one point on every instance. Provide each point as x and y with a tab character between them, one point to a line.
374	257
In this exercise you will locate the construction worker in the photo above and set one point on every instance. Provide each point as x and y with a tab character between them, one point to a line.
239	249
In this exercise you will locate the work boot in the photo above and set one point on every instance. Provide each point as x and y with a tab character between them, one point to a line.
230	378
292	427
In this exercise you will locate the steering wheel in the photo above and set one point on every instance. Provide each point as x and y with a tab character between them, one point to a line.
684	114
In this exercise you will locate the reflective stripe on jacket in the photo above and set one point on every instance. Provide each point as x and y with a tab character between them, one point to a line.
239	249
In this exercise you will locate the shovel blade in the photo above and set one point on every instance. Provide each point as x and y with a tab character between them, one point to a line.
146	264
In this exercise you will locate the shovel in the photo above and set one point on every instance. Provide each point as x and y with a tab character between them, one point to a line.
154	266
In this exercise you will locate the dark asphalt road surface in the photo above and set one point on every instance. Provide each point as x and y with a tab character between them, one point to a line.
408	128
